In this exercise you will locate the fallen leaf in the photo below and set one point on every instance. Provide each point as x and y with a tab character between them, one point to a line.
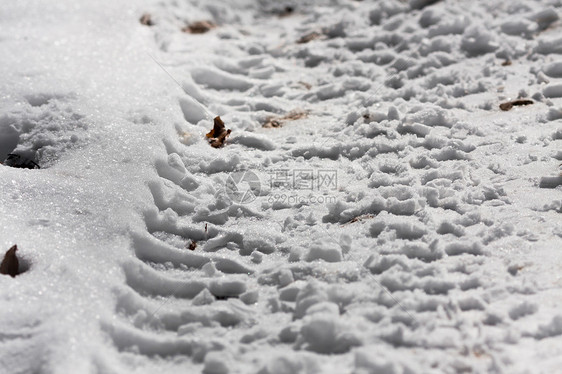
359	218
309	37
146	20
10	263
192	245
274	122
199	27
510	104
506	63
308	86
217	136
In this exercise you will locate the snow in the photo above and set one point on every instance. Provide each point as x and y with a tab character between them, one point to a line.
553	90
396	221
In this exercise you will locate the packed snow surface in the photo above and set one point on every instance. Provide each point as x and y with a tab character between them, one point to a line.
372	211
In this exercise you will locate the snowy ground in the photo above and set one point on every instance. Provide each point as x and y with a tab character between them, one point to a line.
397	221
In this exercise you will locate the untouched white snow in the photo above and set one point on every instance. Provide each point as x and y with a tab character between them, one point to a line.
396	222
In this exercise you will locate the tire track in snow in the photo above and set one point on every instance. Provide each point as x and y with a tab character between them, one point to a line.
424	196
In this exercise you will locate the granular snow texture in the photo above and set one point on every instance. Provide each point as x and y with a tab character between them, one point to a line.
388	218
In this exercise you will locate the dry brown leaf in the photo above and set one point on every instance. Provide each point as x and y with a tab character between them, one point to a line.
199	27
10	263
146	20
273	122
359	218
309	37
217	136
308	86
192	245
510	104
